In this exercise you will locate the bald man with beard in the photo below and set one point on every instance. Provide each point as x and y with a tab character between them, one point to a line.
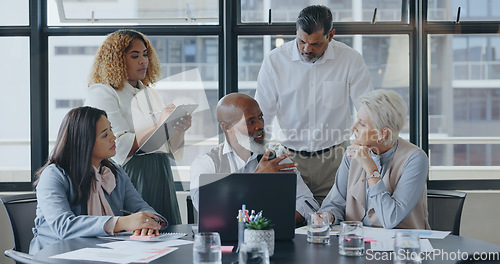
245	150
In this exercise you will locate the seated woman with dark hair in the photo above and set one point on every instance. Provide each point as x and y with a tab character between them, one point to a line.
81	193
382	178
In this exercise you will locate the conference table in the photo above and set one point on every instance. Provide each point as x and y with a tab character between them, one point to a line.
297	250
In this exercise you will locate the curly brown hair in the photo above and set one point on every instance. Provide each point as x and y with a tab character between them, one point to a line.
109	64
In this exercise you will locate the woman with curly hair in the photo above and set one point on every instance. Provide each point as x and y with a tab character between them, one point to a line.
124	69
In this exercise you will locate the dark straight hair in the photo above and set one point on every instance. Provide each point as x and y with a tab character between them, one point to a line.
314	18
73	150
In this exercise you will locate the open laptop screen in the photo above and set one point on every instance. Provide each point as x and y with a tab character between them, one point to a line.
222	195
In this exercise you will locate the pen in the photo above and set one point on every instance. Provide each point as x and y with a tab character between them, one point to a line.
259	215
126	212
310	205
157	219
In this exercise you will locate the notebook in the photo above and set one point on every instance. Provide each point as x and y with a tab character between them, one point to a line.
222	195
127	236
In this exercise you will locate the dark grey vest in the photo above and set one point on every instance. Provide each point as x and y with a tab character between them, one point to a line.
221	161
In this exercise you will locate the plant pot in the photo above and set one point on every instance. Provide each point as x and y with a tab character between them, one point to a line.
261	235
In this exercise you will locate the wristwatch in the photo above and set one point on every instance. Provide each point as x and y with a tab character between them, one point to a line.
375	174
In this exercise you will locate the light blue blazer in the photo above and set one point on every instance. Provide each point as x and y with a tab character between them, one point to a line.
57	219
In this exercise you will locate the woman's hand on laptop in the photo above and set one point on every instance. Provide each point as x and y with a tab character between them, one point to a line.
266	165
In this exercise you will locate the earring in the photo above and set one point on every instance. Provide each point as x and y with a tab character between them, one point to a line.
379	140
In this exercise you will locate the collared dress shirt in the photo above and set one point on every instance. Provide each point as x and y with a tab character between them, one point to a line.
311	101
203	164
390	210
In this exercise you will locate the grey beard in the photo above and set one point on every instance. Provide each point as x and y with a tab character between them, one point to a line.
249	143
309	60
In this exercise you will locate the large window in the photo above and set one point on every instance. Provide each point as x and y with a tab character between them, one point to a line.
470	10
189	75
15	110
133	12
342	11
464	94
14	13
452	87
383	55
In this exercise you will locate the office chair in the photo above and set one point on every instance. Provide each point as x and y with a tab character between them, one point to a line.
21	257
21	210
445	210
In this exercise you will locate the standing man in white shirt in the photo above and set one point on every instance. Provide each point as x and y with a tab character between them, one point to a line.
308	84
244	150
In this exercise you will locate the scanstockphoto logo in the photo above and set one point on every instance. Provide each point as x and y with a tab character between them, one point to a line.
435	255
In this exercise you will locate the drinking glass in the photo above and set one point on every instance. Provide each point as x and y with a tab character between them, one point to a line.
351	239
318	228
253	253
206	248
407	248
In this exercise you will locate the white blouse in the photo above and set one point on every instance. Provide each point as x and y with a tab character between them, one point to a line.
128	111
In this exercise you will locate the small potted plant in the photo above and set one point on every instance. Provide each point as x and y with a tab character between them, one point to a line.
260	229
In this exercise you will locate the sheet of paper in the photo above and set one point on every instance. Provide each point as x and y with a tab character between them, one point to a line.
125	236
115	256
303	231
388	245
147	257
381	233
434	234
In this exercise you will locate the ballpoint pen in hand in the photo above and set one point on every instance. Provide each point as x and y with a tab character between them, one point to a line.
310	206
157	219
125	212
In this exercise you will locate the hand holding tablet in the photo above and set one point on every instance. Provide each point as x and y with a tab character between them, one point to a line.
167	128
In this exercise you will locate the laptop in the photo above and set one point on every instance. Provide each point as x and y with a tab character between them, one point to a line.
222	195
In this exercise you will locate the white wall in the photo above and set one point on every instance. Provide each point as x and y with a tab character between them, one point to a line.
482	205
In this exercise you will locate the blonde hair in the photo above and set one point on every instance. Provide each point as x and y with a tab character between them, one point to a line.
109	64
386	108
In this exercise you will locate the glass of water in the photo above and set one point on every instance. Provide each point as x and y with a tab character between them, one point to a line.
318	228
206	248
253	253
351	239
407	247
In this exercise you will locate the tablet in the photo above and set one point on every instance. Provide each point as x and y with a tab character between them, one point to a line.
161	133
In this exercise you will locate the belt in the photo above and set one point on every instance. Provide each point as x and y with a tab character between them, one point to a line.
311	154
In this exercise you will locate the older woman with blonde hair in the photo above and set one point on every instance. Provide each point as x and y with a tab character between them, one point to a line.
382	178
124	69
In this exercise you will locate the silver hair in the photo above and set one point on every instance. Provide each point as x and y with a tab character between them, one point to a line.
386	108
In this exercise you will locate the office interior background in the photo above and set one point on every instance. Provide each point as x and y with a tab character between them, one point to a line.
444	62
